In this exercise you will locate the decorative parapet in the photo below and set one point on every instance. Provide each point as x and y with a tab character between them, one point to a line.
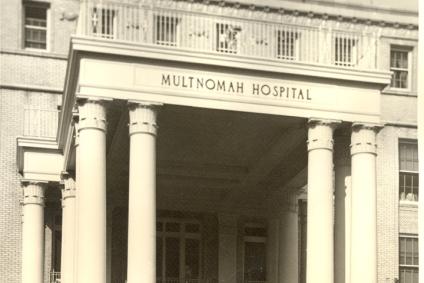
235	29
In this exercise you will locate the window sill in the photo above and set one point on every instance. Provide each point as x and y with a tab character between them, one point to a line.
399	92
35	53
408	203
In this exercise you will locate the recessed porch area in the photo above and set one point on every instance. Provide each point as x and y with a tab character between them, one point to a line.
225	181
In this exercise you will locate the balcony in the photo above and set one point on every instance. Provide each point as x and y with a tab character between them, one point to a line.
232	31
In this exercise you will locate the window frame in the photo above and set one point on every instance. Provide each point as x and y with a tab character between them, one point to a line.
403	171
45	6
414	252
408	50
182	236
253	239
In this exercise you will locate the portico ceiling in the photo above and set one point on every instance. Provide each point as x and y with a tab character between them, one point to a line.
219	152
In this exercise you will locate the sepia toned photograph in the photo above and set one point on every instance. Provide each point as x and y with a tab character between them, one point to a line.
209	141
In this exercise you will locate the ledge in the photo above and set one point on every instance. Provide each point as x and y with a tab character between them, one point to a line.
397	92
33	53
408	205
131	49
32	88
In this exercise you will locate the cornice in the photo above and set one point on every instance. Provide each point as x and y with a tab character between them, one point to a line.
127	49
34	142
66	127
370	15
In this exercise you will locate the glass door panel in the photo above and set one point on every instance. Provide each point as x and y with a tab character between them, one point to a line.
172	260
192	260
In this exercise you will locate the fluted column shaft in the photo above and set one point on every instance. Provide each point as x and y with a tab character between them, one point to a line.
342	209
33	232
320	264
91	172
142	195
68	230
364	204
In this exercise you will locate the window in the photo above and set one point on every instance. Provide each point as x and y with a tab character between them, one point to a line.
287	45
408	171
167	30
35	26
254	253
227	38
178	251
399	65
103	22
408	259
344	50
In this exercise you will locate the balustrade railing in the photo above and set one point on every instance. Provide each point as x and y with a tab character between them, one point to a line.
171	25
40	123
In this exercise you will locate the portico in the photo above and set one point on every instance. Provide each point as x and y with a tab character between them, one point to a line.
185	181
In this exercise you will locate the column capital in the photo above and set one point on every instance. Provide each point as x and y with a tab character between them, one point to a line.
320	133
363	138
68	188
323	122
142	118
33	192
92	114
368	126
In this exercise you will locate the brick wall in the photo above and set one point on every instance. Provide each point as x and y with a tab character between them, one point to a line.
12	104
391	220
25	69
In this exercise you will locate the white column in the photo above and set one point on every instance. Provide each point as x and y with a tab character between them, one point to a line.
364	206
342	209
76	146
289	241
227	248
68	230
142	195
320	245
91	173
33	232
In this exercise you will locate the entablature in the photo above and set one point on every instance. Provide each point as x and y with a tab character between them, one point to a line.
39	159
